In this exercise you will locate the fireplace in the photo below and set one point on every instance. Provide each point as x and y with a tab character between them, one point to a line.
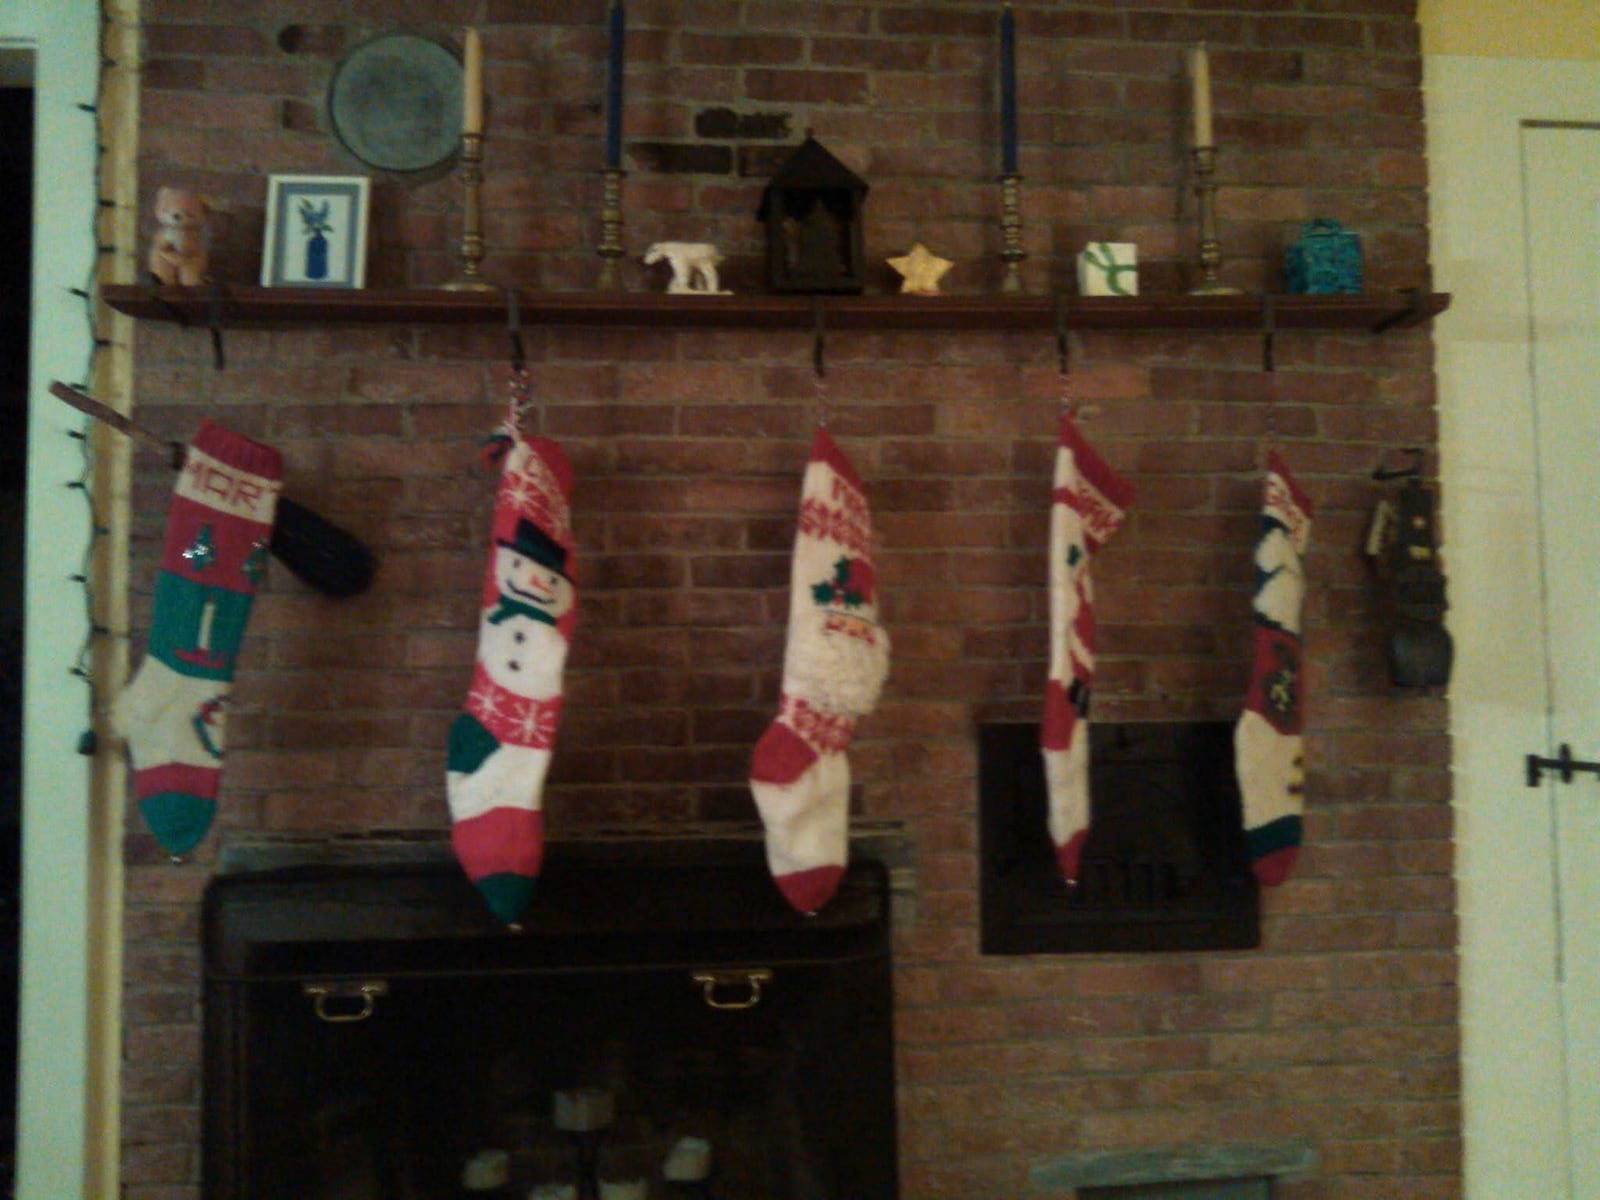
1164	866
371	1031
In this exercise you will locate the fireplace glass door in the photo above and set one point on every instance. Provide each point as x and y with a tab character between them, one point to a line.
420	1062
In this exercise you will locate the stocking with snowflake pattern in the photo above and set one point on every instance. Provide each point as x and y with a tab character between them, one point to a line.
500	747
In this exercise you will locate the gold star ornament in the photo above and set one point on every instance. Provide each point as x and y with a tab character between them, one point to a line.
921	269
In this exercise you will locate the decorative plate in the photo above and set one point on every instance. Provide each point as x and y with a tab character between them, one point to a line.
395	103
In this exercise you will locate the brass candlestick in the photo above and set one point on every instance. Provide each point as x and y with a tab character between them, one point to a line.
1205	190
469	278
1012	252
611	249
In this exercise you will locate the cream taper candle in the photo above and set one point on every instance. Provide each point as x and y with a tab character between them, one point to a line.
1200	76
472	85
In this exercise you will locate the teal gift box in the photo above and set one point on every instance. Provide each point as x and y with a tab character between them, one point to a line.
1326	261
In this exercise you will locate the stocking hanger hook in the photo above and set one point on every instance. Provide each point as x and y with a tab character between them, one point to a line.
1063	346
519	358
1269	362
1064	357
819	366
1269	333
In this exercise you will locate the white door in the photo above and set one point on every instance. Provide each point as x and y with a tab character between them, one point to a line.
1562	173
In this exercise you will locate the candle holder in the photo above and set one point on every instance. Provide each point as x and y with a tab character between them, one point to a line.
469	276
586	1144
1205	191
611	248
1011	252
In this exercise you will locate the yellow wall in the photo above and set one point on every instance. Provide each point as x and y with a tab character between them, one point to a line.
1511	28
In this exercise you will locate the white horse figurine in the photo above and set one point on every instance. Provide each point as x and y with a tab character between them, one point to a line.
694	267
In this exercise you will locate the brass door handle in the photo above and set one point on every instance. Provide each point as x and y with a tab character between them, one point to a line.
364	993
714	983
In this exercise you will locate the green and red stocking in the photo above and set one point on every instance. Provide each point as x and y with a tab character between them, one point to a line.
499	748
1267	745
172	715
834	667
1088	502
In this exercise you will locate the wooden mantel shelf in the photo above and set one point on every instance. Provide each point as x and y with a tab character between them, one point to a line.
285	307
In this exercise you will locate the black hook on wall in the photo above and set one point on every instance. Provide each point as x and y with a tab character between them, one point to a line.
819	366
1269	333
214	322
1414	471
519	357
1063	340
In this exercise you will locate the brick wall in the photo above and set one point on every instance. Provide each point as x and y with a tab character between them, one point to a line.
688	448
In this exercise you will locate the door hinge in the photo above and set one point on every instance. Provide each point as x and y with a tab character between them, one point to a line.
1563	765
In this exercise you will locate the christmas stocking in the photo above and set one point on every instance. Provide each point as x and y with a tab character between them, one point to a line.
833	670
1267	753
1087	506
172	714
499	748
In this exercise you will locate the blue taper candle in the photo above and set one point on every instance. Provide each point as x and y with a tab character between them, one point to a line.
1008	91
614	88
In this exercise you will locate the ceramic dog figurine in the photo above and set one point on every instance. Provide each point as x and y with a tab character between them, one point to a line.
178	253
694	267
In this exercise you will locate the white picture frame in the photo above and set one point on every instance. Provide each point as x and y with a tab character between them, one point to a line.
316	231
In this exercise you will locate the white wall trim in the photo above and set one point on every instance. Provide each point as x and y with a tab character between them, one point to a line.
1511	1026
63	35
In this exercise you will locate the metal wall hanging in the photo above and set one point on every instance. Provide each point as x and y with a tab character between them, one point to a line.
395	103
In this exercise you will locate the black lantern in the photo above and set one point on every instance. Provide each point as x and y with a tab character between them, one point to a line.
812	211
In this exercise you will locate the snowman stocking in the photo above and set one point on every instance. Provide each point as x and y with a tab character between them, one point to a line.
1267	747
1087	506
499	748
833	670
215	551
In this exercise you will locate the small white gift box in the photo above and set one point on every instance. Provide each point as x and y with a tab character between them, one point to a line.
1109	269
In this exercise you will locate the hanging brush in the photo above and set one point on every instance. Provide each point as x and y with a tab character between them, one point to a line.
327	558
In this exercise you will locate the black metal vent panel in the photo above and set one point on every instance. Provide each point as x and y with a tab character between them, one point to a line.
1164	868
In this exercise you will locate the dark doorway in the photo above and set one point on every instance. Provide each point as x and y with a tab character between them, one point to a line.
16	201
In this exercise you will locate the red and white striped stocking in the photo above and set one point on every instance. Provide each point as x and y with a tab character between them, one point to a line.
1087	506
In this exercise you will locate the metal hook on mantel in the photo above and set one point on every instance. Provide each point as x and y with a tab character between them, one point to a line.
1064	356
519	357
819	365
214	316
1269	333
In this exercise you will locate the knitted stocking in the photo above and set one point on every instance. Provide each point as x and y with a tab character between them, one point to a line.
499	748
173	713
833	670
1267	745
1088	504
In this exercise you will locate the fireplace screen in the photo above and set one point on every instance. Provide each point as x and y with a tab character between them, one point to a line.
669	1029
1164	866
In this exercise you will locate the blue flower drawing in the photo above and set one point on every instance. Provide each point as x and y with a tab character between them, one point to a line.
315	226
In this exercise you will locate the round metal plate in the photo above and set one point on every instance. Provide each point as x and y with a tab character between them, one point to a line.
395	103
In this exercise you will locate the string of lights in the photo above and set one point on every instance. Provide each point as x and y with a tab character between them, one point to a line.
83	666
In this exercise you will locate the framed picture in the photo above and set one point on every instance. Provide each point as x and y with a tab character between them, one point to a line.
316	231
